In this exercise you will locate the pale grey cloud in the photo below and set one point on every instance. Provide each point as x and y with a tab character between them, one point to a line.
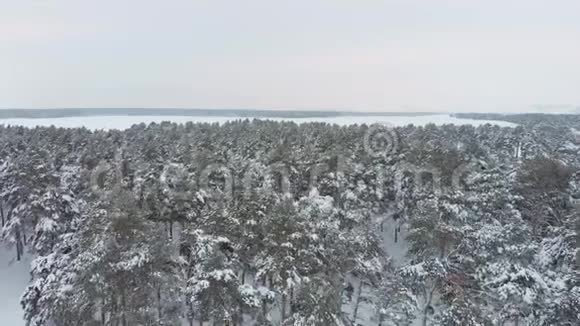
322	54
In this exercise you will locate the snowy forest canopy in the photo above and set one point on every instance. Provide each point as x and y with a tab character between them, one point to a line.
275	223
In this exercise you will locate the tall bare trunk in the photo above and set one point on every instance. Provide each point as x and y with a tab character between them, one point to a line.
2	214
159	308
291	300
284	303
357	303
191	314
124	310
264	309
18	245
103	318
23	235
428	301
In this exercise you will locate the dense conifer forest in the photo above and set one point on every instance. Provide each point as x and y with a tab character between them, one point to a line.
256	222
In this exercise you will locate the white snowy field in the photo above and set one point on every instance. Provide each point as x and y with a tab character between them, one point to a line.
14	278
124	122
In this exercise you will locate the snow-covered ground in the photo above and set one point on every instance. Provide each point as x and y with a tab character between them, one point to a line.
14	278
123	122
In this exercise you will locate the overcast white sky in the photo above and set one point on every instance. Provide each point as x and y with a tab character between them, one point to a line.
365	55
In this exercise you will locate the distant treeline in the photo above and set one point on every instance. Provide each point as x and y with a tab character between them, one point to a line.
528	119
